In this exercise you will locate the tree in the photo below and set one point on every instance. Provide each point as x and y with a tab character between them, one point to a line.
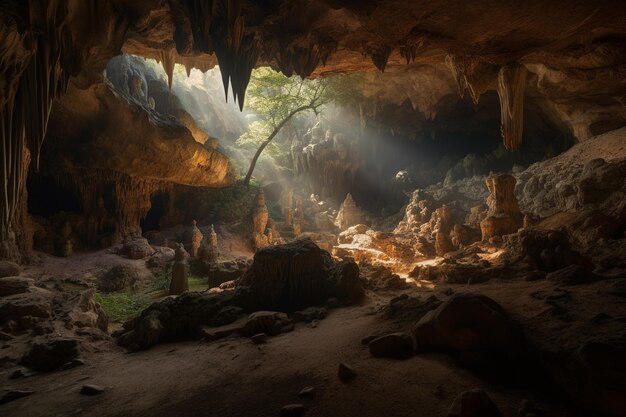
276	100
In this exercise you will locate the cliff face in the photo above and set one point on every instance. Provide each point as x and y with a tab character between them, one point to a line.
569	56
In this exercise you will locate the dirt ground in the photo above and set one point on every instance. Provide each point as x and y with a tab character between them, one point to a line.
234	377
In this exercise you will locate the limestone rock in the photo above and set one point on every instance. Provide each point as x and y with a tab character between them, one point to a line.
349	214
260	219
503	215
300	274
192	239
179	283
13	394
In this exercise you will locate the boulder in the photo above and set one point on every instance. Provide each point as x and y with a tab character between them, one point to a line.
268	322
14	285
473	403
571	275
300	274
9	269
49	354
394	345
118	278
472	326
136	248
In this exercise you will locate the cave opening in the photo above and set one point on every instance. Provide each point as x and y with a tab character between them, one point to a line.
47	198
159	205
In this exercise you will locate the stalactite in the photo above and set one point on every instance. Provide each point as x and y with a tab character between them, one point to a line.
472	74
381	56
511	84
168	60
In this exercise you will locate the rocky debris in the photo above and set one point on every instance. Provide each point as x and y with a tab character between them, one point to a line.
88	313
310	314
9	269
14	285
269	322
136	248
542	249
292	276
90	389
292	410
394	345
192	237
230	270
179	282
50	353
300	274
259	338
503	215
345	372
118	278
21	311
9	395
473	403
307	392
475	328
349	214
176	318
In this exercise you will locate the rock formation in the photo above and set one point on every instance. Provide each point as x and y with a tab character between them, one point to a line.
503	215
349	214
192	238
179	283
260	219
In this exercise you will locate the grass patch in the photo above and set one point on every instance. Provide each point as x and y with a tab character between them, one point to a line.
122	306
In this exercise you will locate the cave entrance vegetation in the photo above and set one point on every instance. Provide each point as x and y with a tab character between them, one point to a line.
312	208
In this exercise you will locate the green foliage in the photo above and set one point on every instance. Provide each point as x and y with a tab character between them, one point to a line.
122	306
273	97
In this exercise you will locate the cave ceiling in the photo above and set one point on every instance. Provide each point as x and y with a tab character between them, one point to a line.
571	54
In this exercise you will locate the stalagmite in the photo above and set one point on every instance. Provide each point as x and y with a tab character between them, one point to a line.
179	283
260	219
511	83
503	215
349	214
192	239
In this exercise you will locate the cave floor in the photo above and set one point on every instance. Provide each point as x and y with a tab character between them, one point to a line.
234	377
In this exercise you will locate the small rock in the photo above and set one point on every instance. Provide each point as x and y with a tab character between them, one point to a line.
292	410
259	338
310	314
90	389
18	373
13	394
269	322
345	372
73	364
395	346
473	403
307	392
571	275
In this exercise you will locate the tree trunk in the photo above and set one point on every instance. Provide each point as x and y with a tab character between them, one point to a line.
267	141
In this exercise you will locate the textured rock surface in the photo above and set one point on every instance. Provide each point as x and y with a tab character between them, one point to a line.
300	274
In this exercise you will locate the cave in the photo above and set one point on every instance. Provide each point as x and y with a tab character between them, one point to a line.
235	208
